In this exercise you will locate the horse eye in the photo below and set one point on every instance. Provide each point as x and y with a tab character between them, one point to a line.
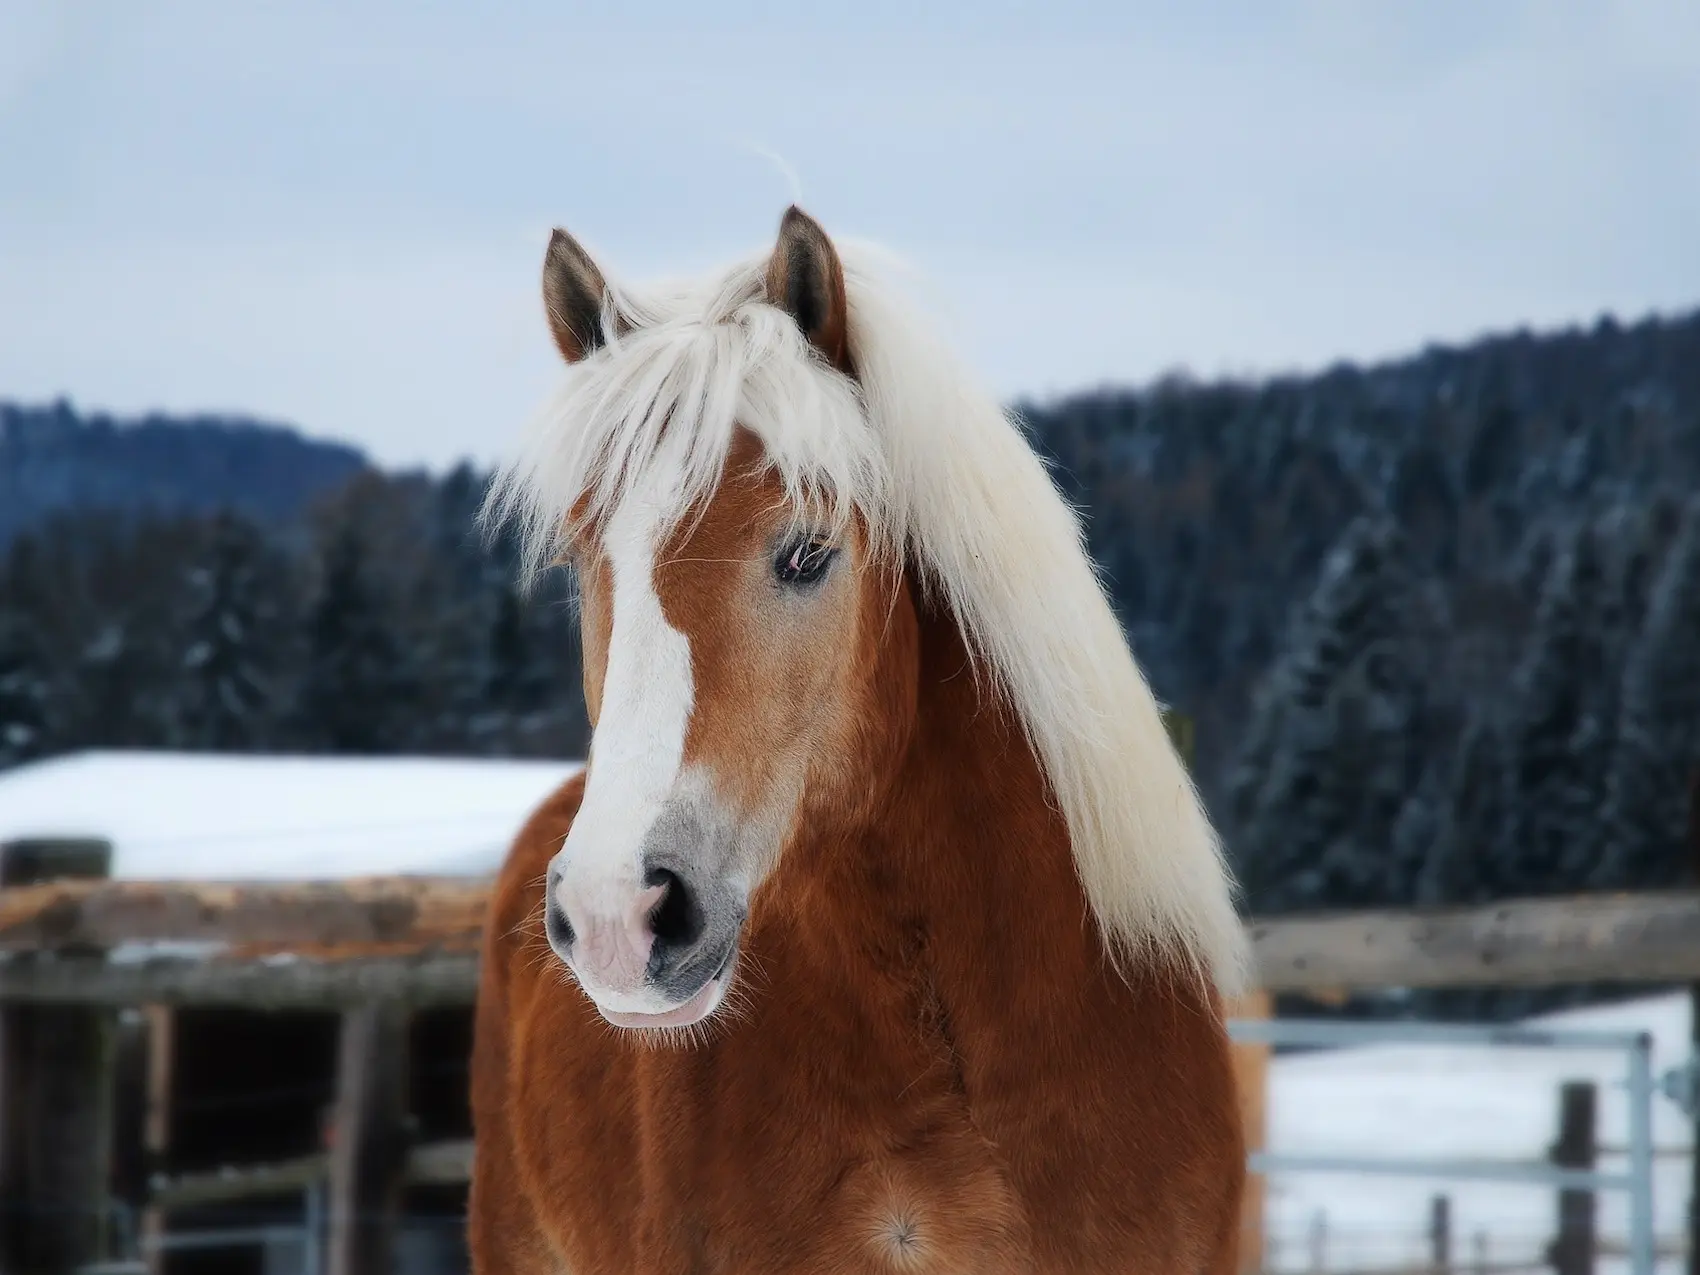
804	560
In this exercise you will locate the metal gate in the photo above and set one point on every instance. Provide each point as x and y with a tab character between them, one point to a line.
1635	1047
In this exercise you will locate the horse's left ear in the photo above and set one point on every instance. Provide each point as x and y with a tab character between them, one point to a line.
573	291
805	278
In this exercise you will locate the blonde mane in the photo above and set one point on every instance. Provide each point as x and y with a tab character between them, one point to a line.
938	471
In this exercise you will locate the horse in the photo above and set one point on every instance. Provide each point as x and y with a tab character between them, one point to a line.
884	930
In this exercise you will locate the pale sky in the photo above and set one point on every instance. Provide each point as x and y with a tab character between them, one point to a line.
333	214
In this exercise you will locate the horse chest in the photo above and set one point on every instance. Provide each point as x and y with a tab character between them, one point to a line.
842	1152
858	1127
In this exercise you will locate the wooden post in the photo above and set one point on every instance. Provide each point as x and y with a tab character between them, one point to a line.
1251	1079
1440	1234
369	1140
1694	1171
1573	1248
156	1129
56	1073
128	1183
1694	1031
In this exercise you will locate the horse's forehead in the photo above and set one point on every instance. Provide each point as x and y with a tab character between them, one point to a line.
688	562
745	502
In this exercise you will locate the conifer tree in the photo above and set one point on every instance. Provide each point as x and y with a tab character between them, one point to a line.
232	664
26	689
1562	717
27	700
1467	850
1658	744
1336	750
356	686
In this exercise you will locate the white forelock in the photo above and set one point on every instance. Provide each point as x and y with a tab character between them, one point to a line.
935	469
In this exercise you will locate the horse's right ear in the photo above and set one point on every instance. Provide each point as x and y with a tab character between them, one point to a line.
573	289
805	278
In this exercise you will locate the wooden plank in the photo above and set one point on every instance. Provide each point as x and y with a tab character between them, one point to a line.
56	1093
156	1131
445	1163
1251	1080
1526	943
270	982
379	910
244	1182
369	1140
1636	938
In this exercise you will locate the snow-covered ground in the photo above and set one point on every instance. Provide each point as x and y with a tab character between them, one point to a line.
1389	1101
229	817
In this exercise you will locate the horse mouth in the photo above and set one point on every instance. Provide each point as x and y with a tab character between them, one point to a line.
691	1012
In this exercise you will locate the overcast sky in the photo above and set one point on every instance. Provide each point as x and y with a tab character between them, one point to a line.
333	214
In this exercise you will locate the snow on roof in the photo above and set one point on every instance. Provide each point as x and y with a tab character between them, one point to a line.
243	817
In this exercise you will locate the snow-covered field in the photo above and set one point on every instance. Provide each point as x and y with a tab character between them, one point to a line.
1389	1101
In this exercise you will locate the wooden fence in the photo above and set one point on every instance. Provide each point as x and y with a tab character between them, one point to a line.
414	940
374	949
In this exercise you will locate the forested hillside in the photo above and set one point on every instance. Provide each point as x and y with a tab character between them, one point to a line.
379	623
53	457
1437	622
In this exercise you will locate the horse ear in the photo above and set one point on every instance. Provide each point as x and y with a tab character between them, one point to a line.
805	279
573	289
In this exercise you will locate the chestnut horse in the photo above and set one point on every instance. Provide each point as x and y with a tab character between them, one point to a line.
884	931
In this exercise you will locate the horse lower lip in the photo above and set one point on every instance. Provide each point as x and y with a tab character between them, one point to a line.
692	1011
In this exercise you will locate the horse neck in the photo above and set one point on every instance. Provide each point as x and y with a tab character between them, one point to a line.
961	866
976	821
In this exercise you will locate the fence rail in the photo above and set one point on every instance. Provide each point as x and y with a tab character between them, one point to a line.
412	941
433	1163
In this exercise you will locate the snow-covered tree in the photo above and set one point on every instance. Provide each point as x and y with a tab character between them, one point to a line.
1657	750
26	689
233	639
1468	847
356	689
1333	752
1562	721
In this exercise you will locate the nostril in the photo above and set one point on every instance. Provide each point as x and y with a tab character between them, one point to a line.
676	920
555	924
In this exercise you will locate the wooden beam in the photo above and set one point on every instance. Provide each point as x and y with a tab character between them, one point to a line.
66	915
270	982
243	1182
56	1094
428	1164
156	1131
1604	938
1607	938
447	1163
369	1149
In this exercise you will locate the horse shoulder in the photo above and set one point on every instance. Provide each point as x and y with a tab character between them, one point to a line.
503	1230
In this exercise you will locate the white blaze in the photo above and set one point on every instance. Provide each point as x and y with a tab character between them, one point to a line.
636	756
